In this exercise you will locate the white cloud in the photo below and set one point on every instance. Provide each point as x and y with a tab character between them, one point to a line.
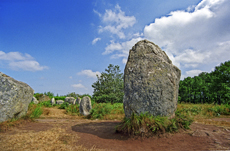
196	37
89	73
17	61
95	40
121	49
70	77
115	21
191	73
78	86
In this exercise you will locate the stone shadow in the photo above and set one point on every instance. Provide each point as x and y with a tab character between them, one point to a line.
104	130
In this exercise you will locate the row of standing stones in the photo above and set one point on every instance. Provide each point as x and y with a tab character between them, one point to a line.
151	84
84	103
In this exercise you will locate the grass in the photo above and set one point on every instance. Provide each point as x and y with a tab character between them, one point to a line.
106	111
147	125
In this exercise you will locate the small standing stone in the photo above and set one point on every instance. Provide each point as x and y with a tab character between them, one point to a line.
52	101
35	100
85	106
78	100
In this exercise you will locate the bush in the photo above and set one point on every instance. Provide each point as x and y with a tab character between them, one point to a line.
64	105
45	103
60	98
148	125
73	109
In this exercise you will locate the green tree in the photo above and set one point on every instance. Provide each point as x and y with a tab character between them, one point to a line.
109	86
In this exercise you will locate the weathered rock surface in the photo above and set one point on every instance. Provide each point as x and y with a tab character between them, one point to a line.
70	100
52	101
151	81
85	106
43	98
35	100
59	102
78	100
15	97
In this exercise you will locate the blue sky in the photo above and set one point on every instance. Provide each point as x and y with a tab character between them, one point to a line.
60	46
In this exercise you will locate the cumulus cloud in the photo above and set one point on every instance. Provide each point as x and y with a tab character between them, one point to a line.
19	61
89	73
194	37
95	40
78	86
115	21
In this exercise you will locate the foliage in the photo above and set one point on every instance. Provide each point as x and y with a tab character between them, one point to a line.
64	105
72	94
50	94
37	95
73	109
45	103
106	111
203	110
109	87
148	125
213	87
60	98
34	110
81	96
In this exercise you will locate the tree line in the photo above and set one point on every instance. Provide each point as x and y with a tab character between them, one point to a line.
213	87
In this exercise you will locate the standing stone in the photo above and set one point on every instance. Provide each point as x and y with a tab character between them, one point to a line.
59	102
15	97
151	81
52	101
35	100
85	106
78	100
70	100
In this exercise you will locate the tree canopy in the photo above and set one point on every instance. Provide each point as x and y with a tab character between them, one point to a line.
109	86
213	87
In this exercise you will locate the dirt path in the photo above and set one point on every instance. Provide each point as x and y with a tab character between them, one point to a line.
82	134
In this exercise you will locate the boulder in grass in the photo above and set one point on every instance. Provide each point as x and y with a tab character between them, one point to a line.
15	97
70	100
59	102
85	106
34	100
43	98
151	81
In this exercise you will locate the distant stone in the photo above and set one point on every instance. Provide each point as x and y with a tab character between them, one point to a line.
35	100
85	106
59	102
15	97
151	81
43	98
70	100
78	100
52	101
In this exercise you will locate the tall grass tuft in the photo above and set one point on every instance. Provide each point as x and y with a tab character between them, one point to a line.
148	125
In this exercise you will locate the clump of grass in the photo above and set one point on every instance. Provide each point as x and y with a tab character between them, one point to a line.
106	111
34	110
45	103
147	125
73	109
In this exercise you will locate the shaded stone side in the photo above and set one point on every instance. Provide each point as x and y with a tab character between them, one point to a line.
15	97
151	81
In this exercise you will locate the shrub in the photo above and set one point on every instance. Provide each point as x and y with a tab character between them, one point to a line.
64	105
73	109
45	103
60	98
